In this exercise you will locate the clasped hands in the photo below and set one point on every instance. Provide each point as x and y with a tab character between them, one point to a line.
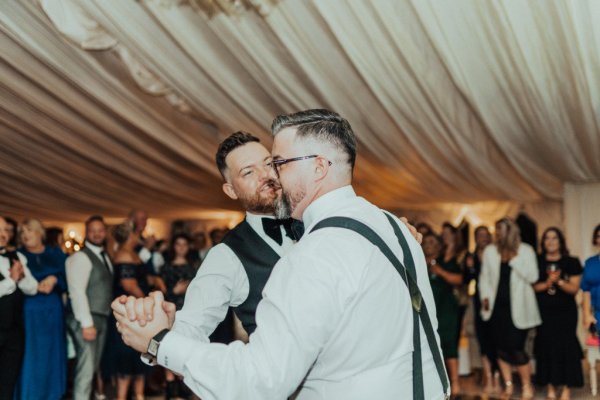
139	320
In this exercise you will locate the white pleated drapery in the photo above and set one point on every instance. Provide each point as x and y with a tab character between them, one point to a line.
112	104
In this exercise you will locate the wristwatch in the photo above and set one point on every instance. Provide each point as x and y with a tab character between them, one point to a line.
155	343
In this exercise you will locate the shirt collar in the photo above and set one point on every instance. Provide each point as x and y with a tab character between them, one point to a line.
326	204
96	249
255	220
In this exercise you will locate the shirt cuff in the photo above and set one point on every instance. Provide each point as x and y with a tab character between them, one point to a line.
174	351
86	322
9	285
148	359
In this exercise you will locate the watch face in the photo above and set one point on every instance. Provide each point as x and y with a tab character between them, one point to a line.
153	347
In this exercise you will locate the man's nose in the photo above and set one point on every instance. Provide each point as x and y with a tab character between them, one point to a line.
267	172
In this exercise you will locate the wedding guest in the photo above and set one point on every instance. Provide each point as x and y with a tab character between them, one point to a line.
483	331
90	281
454	252
178	272
444	277
558	352
508	269
590	284
200	246
55	238
146	245
132	277
424	228
44	372
13	238
15	281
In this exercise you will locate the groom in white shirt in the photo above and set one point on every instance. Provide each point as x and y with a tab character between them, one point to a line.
335	314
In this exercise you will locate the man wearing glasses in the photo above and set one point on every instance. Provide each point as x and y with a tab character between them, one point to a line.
336	312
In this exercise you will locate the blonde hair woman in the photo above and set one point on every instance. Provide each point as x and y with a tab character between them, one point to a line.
508	270
44	371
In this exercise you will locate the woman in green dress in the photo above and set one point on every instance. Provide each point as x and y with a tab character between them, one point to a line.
444	277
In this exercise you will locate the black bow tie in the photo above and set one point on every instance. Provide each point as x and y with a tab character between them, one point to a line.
272	227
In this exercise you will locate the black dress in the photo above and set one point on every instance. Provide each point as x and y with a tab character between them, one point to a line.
557	350
172	274
127	360
509	340
483	329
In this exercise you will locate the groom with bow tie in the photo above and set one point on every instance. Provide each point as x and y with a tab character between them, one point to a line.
235	271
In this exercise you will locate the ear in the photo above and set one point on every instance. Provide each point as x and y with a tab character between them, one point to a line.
321	168
230	191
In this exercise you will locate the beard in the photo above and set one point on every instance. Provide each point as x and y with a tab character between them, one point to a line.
287	202
264	199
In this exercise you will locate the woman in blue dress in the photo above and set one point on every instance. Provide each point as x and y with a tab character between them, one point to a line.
44	370
590	284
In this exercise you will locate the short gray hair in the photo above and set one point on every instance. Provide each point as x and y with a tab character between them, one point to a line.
323	125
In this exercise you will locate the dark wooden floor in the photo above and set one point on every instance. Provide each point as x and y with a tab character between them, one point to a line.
471	390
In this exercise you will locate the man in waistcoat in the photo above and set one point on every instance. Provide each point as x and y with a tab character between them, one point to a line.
15	281
235	271
90	281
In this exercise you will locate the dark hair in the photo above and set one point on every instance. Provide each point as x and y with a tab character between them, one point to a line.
15	225
232	142
562	243
170	254
94	218
438	238
459	245
596	230
52	235
482	228
322	124
425	226
217	235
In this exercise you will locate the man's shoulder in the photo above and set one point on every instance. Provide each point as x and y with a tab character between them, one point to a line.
217	255
78	256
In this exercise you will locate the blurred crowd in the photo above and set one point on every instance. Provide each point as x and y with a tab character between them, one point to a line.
516	289
57	335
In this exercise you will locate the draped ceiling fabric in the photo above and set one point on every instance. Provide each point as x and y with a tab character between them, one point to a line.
107	105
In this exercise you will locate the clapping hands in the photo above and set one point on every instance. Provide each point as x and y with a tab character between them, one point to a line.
16	271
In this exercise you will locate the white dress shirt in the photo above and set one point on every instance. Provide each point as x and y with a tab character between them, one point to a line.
335	317
78	268
28	284
523	303
221	282
158	261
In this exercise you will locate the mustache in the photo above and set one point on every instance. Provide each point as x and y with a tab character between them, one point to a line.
272	183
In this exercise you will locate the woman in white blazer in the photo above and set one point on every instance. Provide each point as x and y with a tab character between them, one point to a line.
508	270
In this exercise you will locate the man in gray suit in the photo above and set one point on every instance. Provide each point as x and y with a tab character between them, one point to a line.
90	281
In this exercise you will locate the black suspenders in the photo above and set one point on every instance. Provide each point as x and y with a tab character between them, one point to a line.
409	276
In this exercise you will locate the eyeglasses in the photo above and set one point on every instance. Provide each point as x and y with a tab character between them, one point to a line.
276	164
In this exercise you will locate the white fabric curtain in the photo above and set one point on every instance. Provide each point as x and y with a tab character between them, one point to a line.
108	105
582	215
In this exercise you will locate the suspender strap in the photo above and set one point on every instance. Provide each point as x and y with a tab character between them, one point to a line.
408	275
424	314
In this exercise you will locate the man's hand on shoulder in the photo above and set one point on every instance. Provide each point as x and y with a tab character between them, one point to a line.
418	237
